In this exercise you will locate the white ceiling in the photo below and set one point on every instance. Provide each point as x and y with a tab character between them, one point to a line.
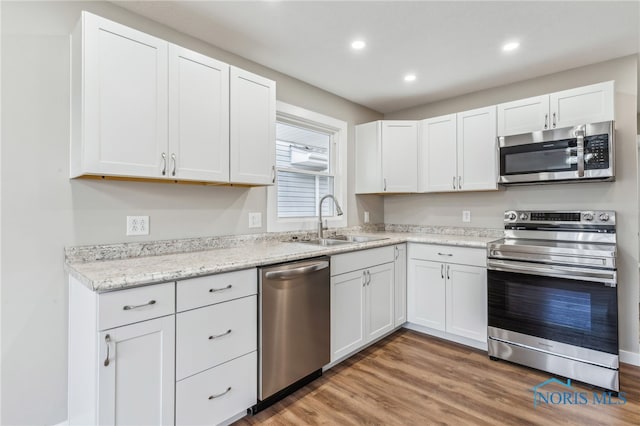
453	47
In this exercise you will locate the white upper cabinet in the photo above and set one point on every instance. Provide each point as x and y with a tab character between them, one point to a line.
588	104
458	152
386	157
119	99
523	116
198	117
144	108
253	137
438	154
582	105
477	150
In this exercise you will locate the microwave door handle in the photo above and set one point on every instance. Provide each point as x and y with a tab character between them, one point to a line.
580	144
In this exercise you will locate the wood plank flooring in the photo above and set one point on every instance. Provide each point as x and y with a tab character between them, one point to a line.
412	379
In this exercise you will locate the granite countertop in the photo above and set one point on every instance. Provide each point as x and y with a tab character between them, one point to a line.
107	275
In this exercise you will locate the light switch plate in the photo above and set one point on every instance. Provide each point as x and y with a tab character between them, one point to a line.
137	225
366	217
466	216
255	220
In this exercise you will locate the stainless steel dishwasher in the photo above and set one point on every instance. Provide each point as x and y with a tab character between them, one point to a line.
295	324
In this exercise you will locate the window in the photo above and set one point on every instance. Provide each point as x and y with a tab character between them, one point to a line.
310	163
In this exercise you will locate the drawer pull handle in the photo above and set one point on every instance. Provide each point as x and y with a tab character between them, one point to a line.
107	340
130	307
220	394
220	335
213	290
444	254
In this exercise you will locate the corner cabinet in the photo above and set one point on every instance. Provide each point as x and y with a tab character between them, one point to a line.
458	152
142	107
362	299
582	105
386	157
447	292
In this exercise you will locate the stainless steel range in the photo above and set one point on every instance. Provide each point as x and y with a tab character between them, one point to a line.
552	292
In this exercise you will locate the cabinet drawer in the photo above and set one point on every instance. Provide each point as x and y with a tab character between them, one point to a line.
135	304
448	254
197	292
215	334
215	395
353	261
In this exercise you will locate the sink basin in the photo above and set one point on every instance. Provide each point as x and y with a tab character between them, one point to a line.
327	242
359	238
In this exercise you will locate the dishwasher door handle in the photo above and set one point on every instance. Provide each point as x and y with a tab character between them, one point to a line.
285	274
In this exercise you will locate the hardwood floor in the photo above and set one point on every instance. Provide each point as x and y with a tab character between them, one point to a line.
412	379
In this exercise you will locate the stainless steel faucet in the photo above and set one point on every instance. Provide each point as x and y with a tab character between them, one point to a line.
338	212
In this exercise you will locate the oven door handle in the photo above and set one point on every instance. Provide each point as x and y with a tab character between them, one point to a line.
608	278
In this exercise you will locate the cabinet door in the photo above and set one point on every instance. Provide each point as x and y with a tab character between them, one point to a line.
583	105
426	293
369	158
438	155
467	301
347	313
524	116
399	156
400	285
252	129
124	100
379	301
477	150
136	386
198	116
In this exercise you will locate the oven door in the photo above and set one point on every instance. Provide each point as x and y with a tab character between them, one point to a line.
554	304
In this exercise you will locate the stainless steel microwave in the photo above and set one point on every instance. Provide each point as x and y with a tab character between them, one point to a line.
580	153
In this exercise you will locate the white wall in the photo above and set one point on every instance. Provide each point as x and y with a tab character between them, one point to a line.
487	207
43	211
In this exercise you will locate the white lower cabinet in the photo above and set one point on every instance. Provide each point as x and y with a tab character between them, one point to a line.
216	347
121	355
449	297
134	361
400	285
135	374
219	393
362	300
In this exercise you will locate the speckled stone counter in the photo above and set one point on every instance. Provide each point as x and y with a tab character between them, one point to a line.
118	266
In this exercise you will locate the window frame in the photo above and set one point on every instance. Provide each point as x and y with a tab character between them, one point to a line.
338	151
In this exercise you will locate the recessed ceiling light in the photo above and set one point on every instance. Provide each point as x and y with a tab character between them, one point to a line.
512	45
410	77
358	45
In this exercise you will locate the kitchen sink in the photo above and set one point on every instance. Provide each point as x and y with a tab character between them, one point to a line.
358	238
327	242
339	240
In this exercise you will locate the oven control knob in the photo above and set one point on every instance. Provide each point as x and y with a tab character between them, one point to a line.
604	217
510	215
524	216
588	216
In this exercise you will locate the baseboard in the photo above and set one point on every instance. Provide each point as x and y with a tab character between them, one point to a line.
632	358
447	336
64	423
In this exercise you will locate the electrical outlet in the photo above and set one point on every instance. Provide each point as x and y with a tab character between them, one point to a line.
366	217
255	220
466	216
137	225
